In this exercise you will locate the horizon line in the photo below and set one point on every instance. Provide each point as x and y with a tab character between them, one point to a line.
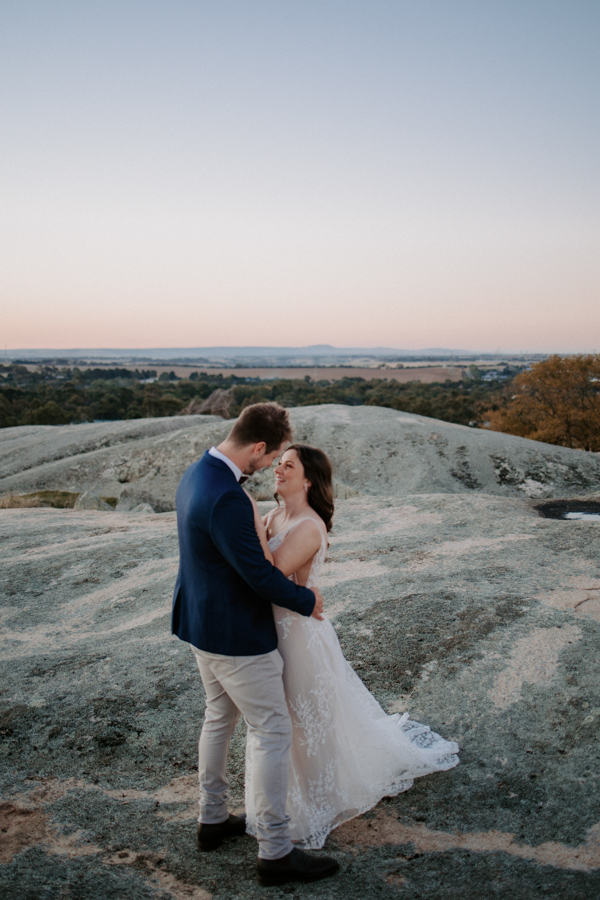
272	347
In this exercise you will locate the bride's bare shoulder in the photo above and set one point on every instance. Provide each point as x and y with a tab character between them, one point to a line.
317	520
310	528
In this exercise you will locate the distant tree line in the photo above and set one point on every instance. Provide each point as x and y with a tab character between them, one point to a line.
556	400
50	395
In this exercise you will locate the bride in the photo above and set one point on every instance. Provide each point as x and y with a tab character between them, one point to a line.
347	753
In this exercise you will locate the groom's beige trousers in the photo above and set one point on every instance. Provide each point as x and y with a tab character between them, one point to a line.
252	685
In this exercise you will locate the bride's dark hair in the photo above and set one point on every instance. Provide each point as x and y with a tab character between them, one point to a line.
318	470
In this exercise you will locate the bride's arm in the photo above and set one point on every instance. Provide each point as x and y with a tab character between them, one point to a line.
261	531
298	547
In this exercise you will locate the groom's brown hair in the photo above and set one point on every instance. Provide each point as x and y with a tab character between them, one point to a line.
266	422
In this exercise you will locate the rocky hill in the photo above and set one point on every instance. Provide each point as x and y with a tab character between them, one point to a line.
375	452
451	596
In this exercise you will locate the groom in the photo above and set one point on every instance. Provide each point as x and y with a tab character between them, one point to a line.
222	607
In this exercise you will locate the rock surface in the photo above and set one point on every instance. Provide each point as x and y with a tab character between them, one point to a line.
374	451
460	604
143	508
89	500
144	457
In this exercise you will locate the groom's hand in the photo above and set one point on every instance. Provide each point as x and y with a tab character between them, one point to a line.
317	612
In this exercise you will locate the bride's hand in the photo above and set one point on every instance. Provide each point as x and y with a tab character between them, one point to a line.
260	528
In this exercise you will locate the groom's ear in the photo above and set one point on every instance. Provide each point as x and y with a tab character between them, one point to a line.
259	448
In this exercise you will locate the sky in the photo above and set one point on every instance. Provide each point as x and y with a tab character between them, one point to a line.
289	172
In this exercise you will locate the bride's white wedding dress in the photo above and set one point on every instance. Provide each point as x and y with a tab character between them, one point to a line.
347	753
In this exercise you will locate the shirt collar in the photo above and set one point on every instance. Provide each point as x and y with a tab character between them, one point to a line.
218	455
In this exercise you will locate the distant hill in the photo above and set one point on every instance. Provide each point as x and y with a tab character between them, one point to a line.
315	351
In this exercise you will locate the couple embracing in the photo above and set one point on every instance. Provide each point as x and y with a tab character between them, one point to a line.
320	750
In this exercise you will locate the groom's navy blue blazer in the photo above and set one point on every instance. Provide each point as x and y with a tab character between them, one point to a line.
225	586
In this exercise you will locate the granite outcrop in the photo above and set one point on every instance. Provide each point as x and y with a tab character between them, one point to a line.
452	596
374	451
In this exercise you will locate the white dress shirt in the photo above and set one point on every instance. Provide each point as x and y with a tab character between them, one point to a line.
235	469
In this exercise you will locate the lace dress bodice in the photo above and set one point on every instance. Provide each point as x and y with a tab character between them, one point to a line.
346	753
284	619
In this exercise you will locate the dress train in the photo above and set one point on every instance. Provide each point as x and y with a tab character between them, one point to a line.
347	752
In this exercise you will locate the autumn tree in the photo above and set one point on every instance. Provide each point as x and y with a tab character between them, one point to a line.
556	401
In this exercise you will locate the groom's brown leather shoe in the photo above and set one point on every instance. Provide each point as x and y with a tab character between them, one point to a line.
296	866
212	836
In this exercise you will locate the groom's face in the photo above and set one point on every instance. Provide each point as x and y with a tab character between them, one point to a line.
262	460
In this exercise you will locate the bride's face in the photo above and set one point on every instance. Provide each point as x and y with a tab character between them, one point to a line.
289	475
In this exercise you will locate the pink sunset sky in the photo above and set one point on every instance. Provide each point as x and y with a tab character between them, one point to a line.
281	173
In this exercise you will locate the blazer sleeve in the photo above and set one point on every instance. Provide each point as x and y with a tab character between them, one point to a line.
234	534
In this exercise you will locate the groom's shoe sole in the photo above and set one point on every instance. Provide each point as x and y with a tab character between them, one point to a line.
296	866
210	837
